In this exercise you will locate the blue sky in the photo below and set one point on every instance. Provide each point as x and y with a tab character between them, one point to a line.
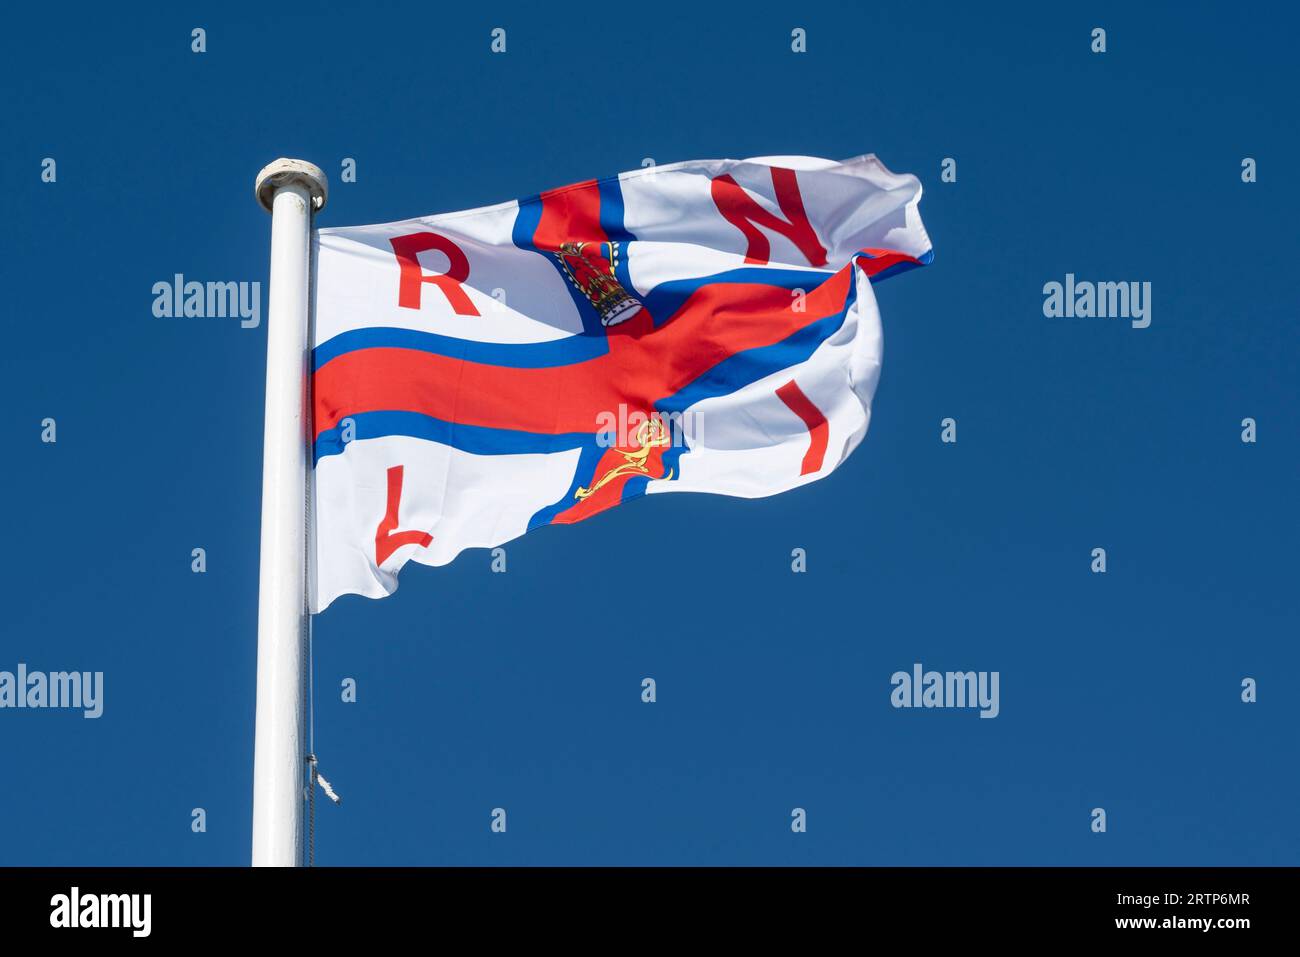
479	690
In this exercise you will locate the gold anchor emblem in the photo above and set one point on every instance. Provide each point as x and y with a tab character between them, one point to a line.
652	434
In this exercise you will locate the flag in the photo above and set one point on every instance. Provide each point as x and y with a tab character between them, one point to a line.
707	326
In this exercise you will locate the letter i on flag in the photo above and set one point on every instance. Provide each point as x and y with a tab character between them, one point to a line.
707	326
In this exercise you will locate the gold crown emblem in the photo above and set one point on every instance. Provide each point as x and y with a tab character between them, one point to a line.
591	267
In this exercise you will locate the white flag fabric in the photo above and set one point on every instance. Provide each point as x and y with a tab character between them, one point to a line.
707	326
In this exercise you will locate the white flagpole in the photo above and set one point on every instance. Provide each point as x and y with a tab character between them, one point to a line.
291	190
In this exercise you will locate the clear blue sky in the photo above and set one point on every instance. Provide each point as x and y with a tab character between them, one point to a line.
522	690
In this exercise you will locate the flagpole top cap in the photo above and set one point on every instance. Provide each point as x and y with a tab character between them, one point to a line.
283	172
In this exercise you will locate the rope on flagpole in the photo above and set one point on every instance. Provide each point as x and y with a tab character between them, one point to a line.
309	675
309	672
311	813
316	778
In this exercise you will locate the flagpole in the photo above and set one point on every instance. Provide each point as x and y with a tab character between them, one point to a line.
291	190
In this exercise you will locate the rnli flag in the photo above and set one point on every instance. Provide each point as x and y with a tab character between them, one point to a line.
707	326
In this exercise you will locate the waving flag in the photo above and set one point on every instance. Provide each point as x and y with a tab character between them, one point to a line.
707	326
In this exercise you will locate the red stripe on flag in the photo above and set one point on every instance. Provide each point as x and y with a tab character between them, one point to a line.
878	260
812	417
716	322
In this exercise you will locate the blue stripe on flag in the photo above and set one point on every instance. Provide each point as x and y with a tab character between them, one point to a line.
667	298
478	439
515	355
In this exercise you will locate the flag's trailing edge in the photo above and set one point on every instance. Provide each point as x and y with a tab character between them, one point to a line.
707	326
